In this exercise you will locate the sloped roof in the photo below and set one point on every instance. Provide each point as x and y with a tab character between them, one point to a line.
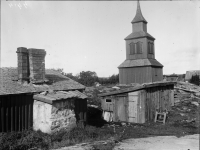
59	95
140	62
137	88
139	34
56	81
138	17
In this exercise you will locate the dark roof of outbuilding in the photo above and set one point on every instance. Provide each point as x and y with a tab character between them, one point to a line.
140	62
138	17
56	81
139	87
50	97
139	34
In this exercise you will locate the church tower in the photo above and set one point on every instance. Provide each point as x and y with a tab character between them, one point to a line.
140	65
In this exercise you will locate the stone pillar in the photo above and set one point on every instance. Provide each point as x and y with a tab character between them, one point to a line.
23	64
37	64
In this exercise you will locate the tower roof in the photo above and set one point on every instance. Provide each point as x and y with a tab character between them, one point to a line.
138	17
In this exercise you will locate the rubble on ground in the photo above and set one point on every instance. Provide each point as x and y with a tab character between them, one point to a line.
186	105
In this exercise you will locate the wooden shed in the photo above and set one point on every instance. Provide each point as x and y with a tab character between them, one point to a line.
138	104
172	77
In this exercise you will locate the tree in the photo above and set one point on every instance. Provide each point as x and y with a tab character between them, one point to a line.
114	79
195	80
88	78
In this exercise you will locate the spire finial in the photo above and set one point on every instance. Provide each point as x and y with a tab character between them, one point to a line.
138	17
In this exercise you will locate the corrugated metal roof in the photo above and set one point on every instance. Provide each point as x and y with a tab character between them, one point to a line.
139	34
136	88
56	81
59	95
140	62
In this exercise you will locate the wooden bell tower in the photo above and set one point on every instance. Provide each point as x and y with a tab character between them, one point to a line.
140	65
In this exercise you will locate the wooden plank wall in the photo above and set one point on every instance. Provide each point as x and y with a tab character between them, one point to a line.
107	106
158	98
135	75
16	112
157	74
141	107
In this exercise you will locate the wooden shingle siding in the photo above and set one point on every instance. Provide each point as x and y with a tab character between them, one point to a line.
16	112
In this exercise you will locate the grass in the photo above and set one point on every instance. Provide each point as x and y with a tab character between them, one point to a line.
36	139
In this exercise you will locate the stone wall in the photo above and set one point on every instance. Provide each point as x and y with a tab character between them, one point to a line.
52	118
63	115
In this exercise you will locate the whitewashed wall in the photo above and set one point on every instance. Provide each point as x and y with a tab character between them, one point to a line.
51	118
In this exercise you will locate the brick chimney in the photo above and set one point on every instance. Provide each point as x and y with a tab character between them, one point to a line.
37	64
23	64
31	65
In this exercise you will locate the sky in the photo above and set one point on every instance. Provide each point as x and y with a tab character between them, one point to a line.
89	35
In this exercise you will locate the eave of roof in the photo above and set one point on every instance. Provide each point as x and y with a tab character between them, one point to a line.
57	96
140	34
137	88
140	62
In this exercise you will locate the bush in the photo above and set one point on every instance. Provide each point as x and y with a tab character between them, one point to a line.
36	139
24	140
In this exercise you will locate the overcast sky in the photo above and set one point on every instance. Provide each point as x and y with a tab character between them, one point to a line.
82	36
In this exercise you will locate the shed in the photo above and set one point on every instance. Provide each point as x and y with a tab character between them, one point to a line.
172	77
138	104
58	110
19	85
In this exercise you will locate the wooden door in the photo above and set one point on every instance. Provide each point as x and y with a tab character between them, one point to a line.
132	106
121	109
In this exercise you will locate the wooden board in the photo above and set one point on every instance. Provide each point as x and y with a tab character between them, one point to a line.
132	106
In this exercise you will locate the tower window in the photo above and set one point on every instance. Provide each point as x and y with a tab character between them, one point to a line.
135	48
132	49
139	47
150	48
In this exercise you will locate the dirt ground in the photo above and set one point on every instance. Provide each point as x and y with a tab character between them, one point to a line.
189	142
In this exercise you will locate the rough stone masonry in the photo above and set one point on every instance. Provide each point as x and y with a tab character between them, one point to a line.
51	118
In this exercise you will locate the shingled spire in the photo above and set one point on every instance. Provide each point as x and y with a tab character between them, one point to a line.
138	17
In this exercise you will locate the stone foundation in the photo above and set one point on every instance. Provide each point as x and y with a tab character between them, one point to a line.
52	118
